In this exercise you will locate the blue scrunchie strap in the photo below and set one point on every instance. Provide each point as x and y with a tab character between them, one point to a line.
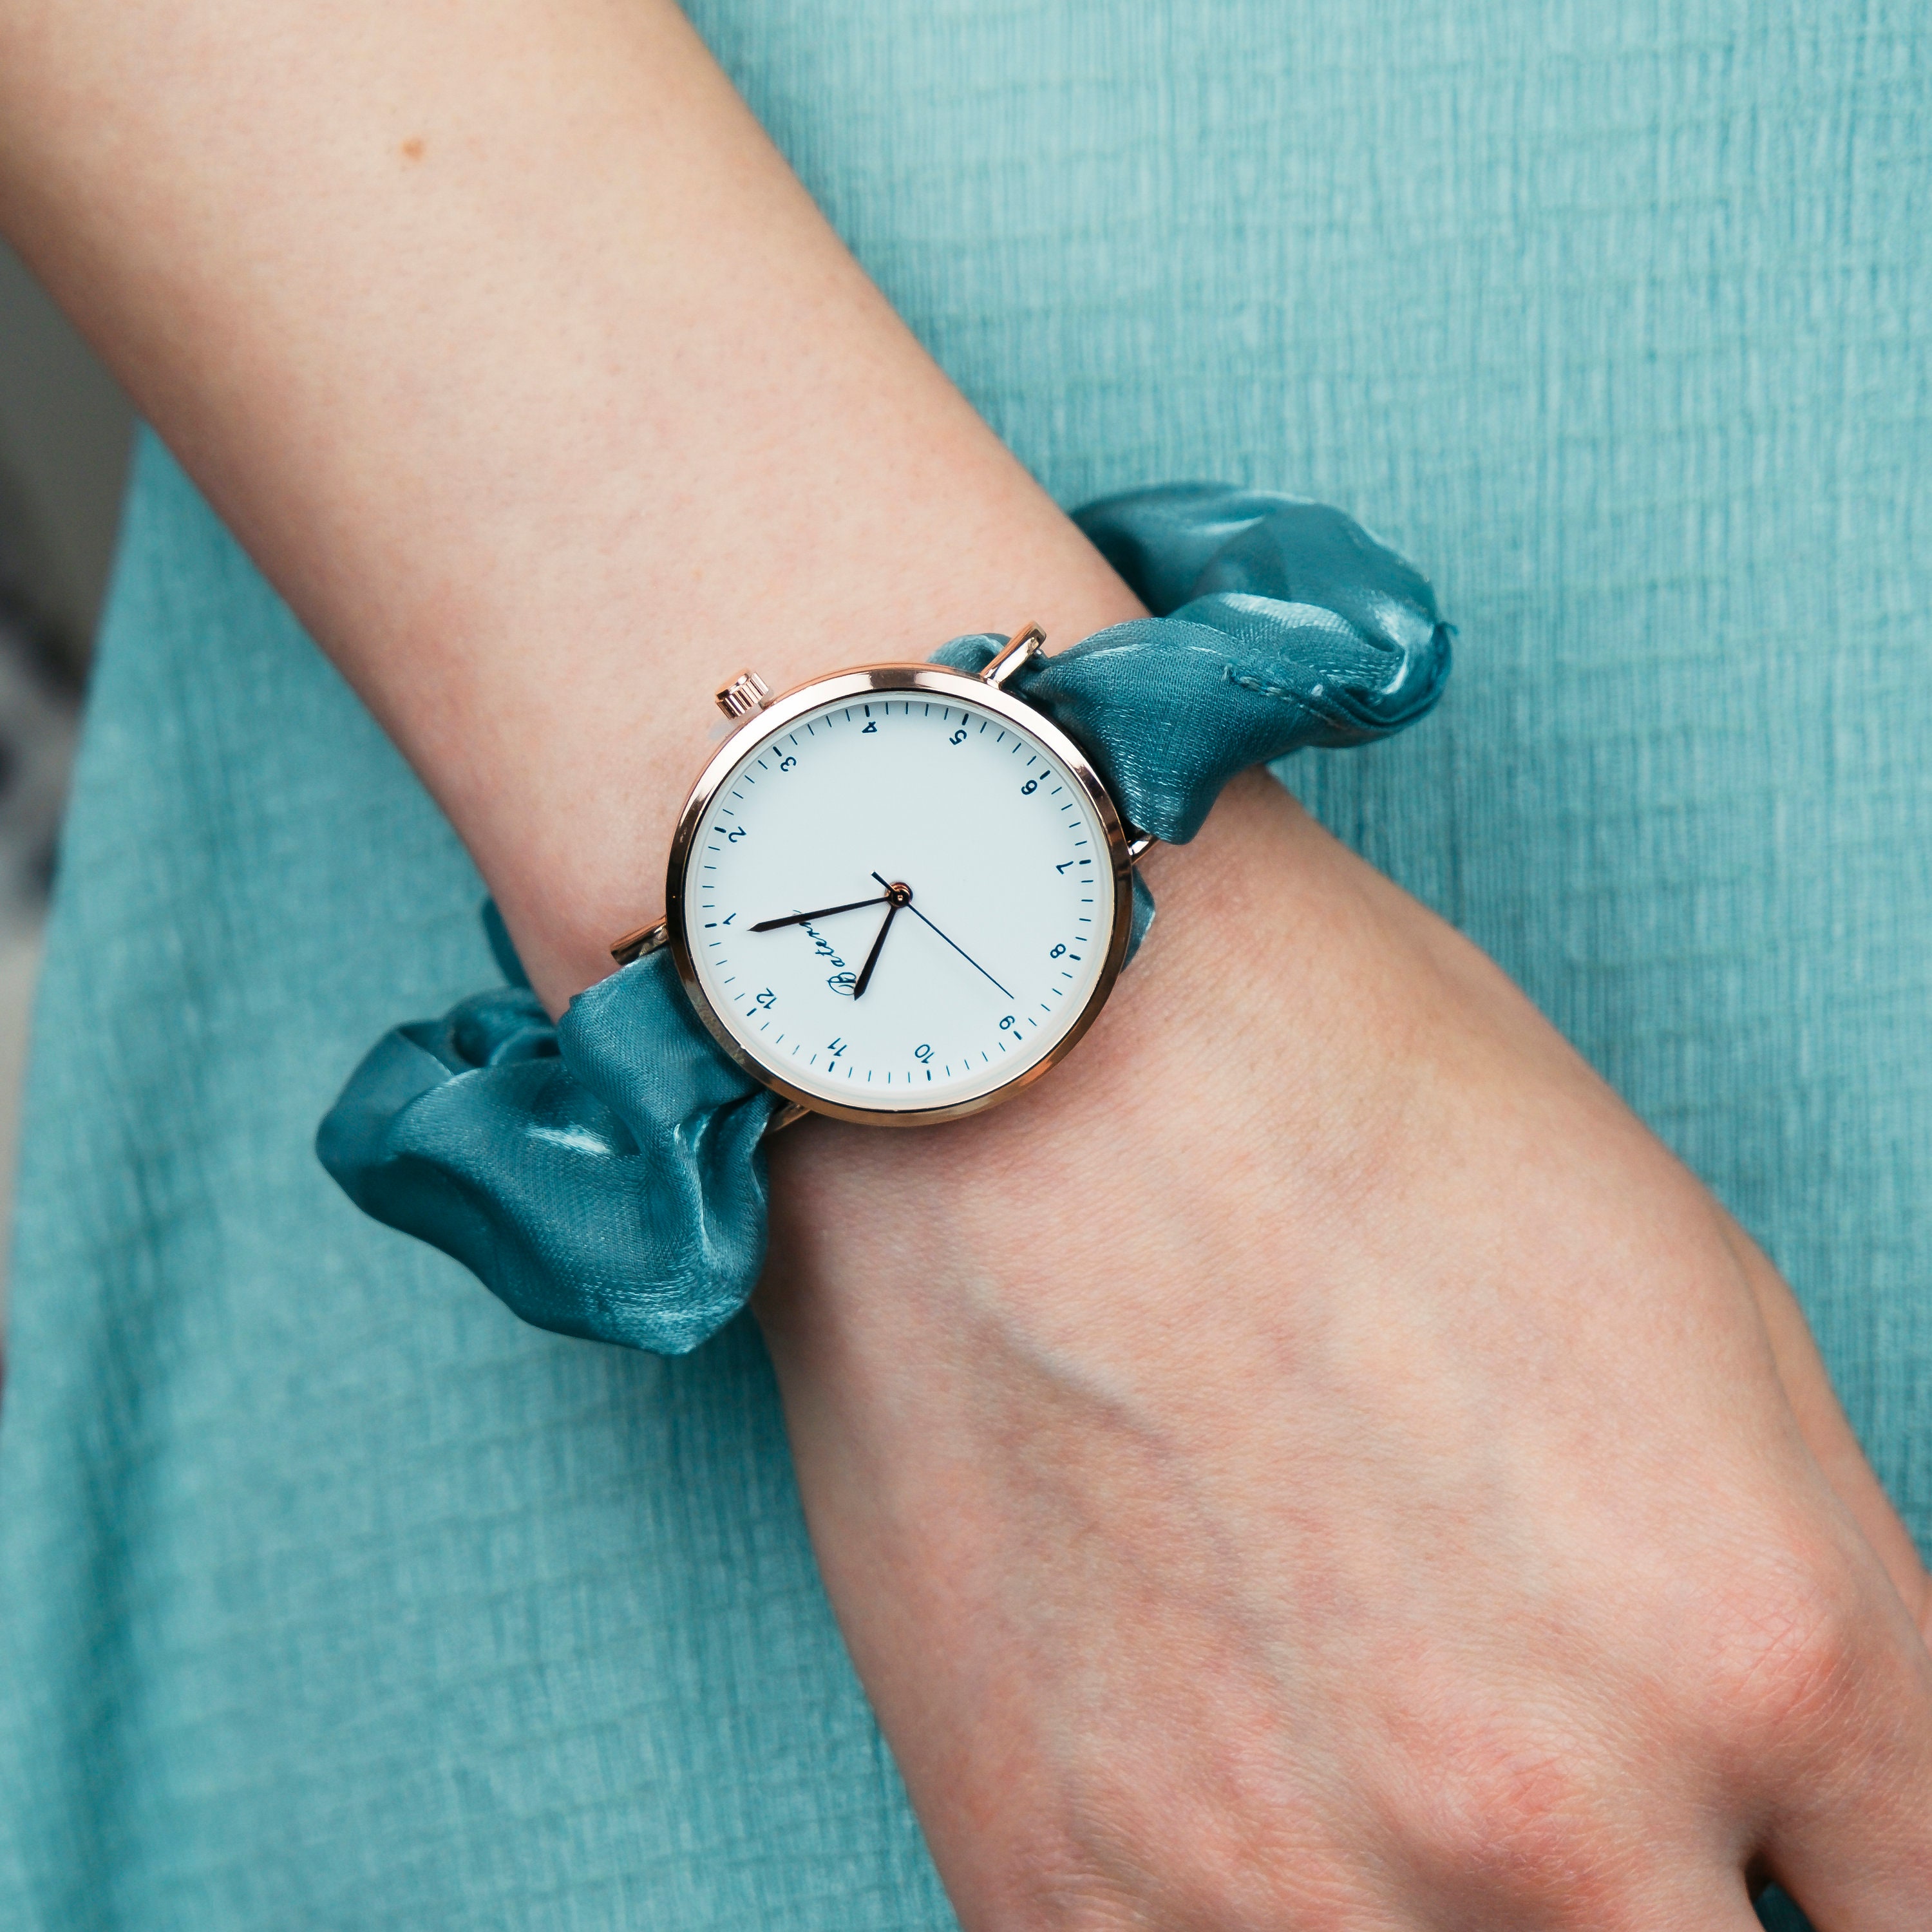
604	1176
1278	624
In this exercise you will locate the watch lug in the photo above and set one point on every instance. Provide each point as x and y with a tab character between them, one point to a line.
1022	645
1139	844
646	939
746	693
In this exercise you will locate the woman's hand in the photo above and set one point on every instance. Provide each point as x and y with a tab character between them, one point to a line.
1318	1462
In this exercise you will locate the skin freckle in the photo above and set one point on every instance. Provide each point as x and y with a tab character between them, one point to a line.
412	149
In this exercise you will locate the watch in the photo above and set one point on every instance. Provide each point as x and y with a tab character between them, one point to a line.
898	894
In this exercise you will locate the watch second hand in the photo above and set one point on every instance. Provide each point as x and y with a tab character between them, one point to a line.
953	942
823	912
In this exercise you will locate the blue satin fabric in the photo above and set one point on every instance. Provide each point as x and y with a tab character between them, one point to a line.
604	1175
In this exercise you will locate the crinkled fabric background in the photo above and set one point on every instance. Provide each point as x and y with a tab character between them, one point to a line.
331	1595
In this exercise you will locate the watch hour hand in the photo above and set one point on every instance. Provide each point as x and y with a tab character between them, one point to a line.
896	895
823	912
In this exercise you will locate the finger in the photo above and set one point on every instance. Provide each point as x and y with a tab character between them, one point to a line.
1827	1432
1720	1902
1852	1843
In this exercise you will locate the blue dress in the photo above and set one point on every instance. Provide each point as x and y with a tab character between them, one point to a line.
330	1595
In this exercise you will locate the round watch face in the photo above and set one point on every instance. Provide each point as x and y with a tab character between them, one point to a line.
898	894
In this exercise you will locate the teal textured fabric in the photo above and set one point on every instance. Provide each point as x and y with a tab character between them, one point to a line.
605	1176
332	1595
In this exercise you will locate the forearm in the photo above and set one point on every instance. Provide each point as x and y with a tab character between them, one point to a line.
514	352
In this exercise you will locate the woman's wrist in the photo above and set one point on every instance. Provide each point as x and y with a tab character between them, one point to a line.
568	888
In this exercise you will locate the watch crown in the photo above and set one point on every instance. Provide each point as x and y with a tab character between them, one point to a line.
646	939
745	694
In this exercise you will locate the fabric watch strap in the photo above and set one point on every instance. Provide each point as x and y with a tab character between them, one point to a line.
604	1175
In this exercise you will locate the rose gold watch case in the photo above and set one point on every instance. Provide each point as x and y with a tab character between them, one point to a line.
892	680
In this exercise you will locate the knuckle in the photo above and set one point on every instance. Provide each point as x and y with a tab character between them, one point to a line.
1116	1850
1787	1655
1510	1813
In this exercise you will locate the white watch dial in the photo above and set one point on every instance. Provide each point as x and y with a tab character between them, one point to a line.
899	901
